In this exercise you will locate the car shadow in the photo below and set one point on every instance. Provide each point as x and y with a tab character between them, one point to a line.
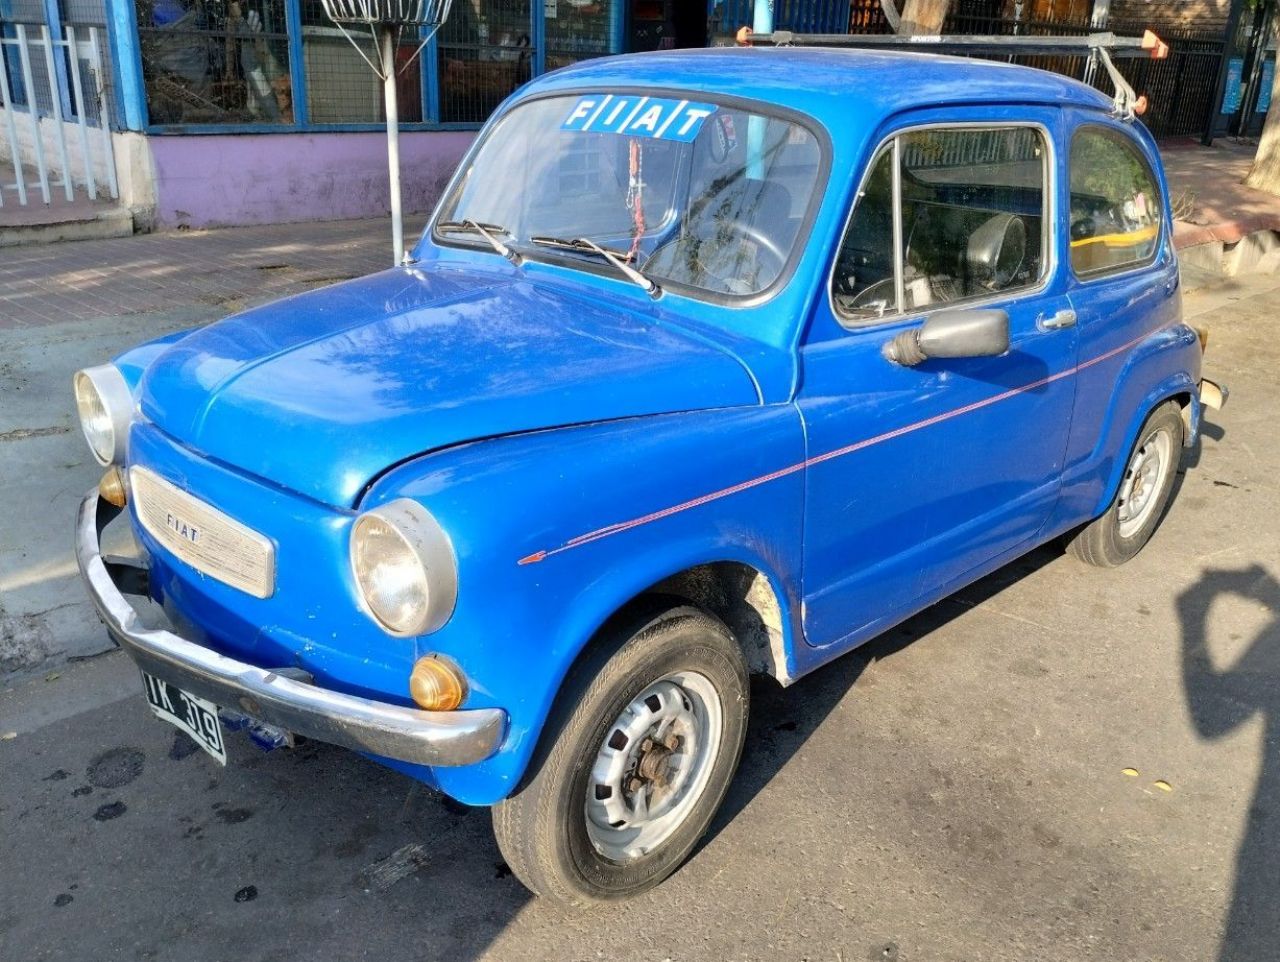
1221	698
783	719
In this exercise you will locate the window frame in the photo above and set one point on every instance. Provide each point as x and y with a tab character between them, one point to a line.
1048	239
1126	138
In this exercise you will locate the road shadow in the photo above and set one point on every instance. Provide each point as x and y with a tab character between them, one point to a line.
1220	698
135	845
783	719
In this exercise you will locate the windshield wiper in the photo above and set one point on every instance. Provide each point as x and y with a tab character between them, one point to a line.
486	231
583	245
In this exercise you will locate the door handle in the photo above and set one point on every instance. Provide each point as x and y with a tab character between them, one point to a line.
1063	319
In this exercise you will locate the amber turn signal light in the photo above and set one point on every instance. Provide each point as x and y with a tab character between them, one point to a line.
436	684
112	487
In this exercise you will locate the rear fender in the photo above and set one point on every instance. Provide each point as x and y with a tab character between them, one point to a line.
1180	383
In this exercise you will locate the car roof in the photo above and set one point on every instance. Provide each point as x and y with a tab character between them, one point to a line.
827	83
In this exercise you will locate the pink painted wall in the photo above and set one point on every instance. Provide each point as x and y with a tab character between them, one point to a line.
238	179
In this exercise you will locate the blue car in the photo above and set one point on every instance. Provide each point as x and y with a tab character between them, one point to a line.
709	364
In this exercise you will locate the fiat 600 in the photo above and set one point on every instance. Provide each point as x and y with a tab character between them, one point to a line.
708	364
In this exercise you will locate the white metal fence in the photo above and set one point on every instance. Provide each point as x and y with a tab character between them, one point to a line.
54	114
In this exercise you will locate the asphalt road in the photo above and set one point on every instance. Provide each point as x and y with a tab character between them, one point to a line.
1060	763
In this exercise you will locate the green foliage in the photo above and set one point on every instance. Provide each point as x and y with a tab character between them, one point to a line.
1104	167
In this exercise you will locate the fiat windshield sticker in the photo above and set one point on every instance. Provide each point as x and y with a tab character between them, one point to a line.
638	117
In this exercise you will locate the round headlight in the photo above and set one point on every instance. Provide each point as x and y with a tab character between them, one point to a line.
404	567
104	403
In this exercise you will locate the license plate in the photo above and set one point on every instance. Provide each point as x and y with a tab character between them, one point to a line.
195	716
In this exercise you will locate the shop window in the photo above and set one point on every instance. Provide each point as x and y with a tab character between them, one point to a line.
215	61
486	52
341	87
578	29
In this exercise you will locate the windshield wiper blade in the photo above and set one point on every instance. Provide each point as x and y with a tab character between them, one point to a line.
487	231
617	258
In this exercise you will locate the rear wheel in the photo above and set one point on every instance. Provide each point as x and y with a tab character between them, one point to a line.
635	761
1127	525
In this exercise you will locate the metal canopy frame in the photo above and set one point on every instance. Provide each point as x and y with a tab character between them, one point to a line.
1102	47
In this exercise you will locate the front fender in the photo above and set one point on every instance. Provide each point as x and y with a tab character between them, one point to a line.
555	531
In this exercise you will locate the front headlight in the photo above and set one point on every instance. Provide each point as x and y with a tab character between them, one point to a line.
104	403
404	567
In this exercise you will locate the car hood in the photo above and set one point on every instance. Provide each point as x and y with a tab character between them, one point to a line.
323	391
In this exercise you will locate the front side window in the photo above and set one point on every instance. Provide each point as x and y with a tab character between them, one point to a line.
1115	205
963	218
696	194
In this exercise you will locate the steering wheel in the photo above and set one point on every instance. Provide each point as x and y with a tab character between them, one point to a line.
722	260
881	297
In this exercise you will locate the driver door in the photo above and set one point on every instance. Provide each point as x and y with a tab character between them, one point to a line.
919	476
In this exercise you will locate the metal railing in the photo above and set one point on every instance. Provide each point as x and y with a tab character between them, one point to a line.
54	114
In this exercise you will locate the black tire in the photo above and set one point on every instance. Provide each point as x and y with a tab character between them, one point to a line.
1104	542
542	829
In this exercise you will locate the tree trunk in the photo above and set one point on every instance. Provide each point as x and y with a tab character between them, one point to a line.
924	16
1265	172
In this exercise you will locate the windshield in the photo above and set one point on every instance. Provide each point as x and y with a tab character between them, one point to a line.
700	195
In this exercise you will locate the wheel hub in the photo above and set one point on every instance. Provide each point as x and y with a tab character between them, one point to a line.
655	761
1143	478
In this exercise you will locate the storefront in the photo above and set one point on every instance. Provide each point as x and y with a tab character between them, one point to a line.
258	64
231	112
264	111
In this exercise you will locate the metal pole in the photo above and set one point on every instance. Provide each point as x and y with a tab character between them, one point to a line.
104	112
762	22
387	39
55	100
82	112
6	97
33	109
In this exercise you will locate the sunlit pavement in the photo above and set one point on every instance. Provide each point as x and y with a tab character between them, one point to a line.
1061	763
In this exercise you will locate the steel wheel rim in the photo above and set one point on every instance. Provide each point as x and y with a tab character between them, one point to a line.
653	765
1143	480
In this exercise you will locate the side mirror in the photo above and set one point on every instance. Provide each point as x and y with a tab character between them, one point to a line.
955	333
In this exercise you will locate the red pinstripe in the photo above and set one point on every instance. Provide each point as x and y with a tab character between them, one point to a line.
622	526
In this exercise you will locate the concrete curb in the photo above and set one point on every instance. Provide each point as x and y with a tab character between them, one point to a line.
115	222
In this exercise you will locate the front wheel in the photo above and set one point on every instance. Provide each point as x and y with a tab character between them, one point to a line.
634	763
1144	493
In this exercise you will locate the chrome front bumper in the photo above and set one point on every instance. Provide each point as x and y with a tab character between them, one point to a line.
379	728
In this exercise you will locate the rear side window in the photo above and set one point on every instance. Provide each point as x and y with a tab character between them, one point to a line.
1115	205
946	215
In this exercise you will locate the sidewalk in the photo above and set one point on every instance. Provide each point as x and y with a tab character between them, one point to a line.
221	271
1207	193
